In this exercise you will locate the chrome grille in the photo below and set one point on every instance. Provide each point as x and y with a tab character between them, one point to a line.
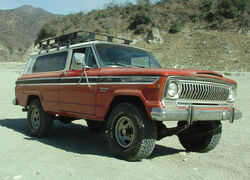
205	92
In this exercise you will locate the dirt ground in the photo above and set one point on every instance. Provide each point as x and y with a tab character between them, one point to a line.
73	152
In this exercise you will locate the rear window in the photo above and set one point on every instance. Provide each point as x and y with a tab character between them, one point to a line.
50	62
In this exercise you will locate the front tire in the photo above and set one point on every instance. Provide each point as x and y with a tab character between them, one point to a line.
131	134
202	136
40	123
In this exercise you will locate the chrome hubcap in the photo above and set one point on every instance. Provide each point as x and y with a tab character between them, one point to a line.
125	132
35	118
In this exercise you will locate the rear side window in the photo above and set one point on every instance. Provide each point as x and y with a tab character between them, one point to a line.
50	62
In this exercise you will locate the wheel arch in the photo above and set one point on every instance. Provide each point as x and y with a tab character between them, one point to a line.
30	98
125	99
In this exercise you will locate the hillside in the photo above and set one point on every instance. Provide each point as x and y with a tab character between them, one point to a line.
195	34
18	29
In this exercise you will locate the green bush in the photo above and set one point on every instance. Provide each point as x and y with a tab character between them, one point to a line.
231	8
47	31
207	5
140	18
194	17
175	28
230	13
215	25
226	4
100	15
211	16
143	2
240	4
140	29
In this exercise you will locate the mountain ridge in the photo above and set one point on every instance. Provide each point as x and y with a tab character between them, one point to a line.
18	29
32	10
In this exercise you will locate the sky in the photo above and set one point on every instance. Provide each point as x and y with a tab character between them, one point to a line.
63	7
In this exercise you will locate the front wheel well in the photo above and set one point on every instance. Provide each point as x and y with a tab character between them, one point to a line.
124	99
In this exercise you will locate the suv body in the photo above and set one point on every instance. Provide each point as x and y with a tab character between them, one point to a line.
123	90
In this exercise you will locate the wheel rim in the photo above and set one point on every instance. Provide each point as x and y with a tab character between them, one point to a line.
125	132
35	118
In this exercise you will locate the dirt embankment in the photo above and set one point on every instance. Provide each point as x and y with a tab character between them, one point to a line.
209	50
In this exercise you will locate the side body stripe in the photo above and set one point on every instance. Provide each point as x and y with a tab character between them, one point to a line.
92	80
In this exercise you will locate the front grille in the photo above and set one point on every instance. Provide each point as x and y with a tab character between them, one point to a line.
203	92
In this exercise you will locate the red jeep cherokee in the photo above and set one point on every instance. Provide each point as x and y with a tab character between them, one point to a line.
123	90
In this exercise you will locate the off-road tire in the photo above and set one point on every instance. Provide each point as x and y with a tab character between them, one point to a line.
97	126
144	132
44	121
202	136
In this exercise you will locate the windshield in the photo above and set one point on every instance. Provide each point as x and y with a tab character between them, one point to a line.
116	55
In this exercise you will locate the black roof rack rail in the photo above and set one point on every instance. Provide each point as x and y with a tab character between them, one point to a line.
77	37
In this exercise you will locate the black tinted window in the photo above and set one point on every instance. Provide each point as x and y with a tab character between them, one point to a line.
50	62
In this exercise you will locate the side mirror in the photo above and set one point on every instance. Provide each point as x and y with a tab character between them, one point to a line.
78	61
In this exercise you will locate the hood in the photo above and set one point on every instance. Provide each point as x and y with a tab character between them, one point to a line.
164	72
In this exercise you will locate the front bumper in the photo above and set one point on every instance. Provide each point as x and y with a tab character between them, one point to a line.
196	113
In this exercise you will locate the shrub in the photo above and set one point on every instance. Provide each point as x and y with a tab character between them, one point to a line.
240	4
226	4
140	29
229	13
143	2
215	25
101	14
175	28
46	32
140	18
230	8
208	5
210	17
194	17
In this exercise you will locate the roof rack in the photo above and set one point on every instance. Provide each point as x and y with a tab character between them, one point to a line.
77	37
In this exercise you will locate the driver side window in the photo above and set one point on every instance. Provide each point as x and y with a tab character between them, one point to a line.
89	56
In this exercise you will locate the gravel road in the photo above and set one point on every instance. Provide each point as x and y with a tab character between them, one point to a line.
73	152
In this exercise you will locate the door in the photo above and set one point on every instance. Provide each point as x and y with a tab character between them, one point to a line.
77	92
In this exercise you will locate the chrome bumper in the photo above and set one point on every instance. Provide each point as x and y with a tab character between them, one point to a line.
193	113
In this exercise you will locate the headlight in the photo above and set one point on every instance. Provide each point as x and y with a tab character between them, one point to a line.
232	95
172	89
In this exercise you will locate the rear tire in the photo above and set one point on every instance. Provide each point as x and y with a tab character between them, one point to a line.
202	136
40	123
97	126
131	134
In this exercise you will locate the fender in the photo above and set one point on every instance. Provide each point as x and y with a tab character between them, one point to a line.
27	94
131	93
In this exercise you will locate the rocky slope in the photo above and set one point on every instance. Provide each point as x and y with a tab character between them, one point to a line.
202	49
196	34
18	29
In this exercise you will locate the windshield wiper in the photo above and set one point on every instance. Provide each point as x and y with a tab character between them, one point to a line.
127	65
